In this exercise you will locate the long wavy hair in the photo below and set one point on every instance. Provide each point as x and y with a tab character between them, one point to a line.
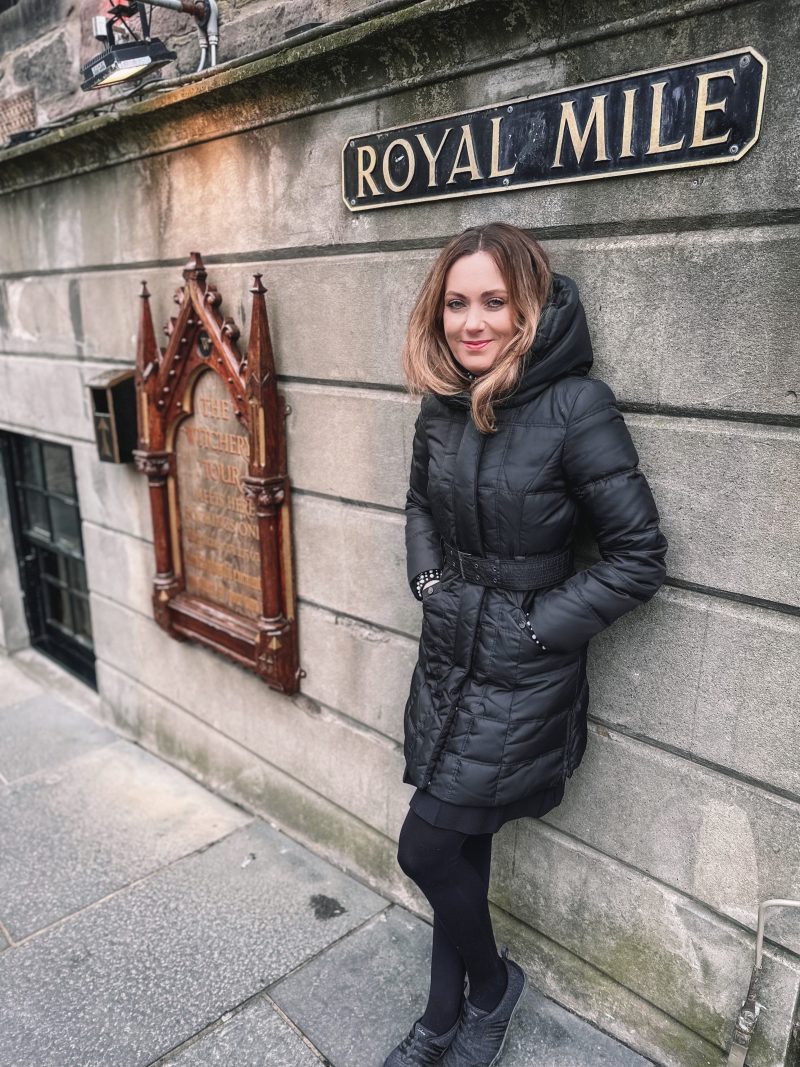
428	364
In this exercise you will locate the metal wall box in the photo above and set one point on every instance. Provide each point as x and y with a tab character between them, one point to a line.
114	412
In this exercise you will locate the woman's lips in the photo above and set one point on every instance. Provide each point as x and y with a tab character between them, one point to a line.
476	346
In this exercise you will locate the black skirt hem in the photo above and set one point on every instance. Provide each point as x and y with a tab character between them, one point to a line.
483	820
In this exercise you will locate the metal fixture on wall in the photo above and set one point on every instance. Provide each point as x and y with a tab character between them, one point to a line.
127	60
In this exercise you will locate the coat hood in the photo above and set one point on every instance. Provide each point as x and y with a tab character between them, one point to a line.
562	346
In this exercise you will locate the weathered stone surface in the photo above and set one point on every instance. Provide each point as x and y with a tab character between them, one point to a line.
351	443
720	841
712	677
229	768
665	672
94	824
356	768
358	668
369	297
660	944
17	687
359	998
132	978
253	1037
42	732
43	395
49	68
114	495
595	996
13	624
119	567
727	494
439	43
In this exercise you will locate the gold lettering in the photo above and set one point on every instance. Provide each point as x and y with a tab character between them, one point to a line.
703	107
214	408
221	472
365	174
597	118
400	142
426	148
627	123
471	167
655	123
496	172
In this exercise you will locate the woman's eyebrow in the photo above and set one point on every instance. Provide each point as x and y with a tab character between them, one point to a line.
489	292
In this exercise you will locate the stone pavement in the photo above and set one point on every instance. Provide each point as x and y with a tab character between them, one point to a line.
145	920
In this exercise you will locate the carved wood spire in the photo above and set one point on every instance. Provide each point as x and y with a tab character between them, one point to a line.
148	361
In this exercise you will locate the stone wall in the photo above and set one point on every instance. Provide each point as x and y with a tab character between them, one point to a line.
635	902
43	44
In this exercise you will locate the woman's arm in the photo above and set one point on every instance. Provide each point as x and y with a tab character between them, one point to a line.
423	547
600	463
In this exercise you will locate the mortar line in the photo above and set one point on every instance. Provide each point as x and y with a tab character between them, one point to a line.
66	764
65	919
4	931
699	761
294	1026
674	225
214	1025
65	357
659	409
704	905
370	920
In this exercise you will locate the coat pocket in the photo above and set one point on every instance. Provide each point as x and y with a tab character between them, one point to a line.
519	619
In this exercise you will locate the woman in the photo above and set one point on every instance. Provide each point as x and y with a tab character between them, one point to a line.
512	439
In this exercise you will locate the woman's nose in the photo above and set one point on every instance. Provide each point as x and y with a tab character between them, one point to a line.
474	318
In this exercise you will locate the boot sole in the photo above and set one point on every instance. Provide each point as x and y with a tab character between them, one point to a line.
510	1019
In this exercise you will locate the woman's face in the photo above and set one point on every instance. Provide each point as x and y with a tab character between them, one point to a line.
477	316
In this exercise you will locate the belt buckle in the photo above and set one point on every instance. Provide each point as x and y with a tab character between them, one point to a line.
461	563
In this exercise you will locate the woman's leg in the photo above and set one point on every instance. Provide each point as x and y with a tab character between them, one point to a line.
455	884
447	966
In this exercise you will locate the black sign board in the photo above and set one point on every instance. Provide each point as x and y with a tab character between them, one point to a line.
694	113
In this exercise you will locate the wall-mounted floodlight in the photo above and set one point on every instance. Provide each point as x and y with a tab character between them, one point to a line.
131	59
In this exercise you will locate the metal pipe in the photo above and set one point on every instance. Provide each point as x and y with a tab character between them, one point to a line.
762	915
190	7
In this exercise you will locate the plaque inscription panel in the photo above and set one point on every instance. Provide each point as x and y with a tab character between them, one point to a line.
219	529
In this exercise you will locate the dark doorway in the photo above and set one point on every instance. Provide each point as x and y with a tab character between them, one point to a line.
47	533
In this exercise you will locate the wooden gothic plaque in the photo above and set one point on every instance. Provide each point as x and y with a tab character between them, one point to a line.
211	440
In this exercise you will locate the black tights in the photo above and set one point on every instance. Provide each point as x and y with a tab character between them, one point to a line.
452	870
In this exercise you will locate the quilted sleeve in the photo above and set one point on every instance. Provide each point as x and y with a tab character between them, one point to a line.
423	548
600	464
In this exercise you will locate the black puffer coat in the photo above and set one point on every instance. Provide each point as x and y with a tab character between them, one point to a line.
490	718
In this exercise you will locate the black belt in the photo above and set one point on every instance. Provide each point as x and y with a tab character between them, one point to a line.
524	573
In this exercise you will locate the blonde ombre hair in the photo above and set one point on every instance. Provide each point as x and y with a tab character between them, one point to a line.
429	365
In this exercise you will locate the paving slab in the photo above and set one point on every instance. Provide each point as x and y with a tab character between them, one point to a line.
545	1034
257	1036
43	732
357	1000
17	686
128	981
74	833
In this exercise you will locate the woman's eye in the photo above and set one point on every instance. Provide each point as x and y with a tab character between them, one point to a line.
497	303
